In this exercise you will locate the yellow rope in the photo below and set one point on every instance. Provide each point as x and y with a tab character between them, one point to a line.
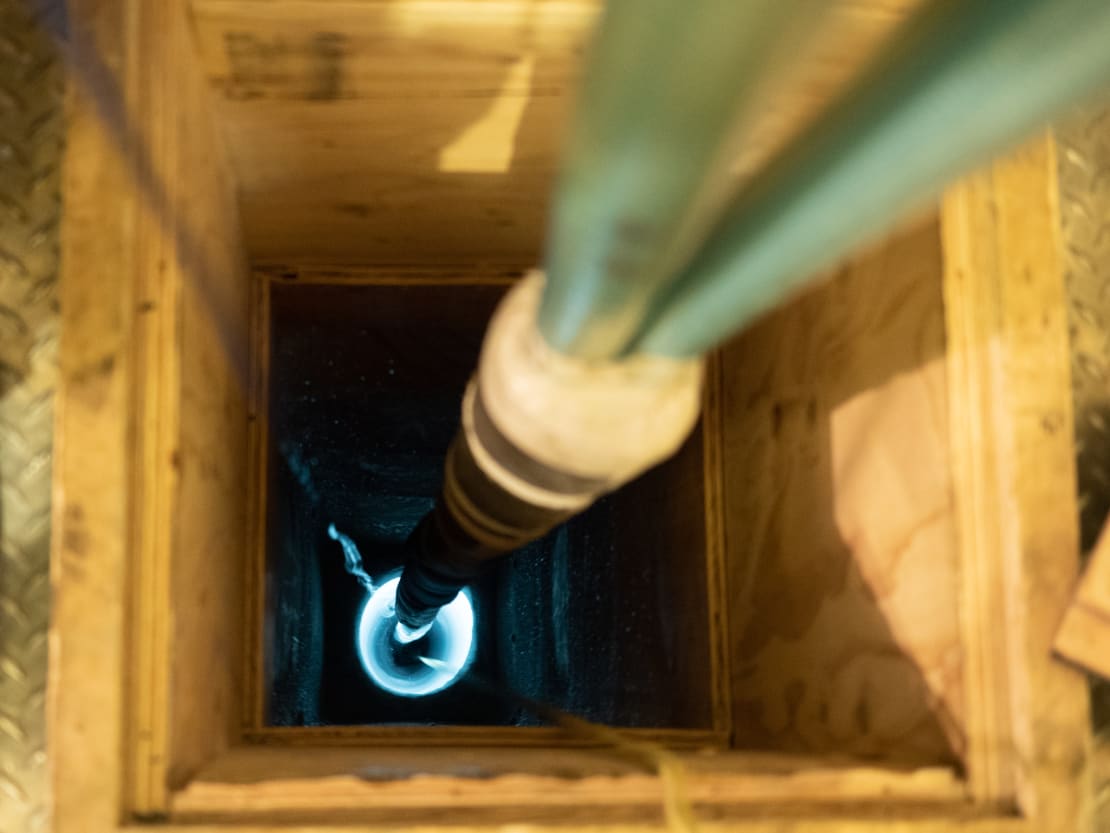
678	811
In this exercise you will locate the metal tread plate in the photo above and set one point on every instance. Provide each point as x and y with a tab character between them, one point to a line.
31	138
1084	171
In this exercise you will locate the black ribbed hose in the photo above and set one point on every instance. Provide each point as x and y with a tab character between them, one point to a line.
474	521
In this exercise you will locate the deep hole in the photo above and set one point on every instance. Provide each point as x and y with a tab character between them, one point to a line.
606	617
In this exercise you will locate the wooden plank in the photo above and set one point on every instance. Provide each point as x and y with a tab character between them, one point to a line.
156	411
516	785
1013	460
1084	635
720	660
190	346
841	548
430	130
971	263
168	301
92	468
1054	733
189	542
347	183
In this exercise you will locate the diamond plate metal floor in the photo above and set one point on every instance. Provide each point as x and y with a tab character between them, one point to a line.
31	133
1084	159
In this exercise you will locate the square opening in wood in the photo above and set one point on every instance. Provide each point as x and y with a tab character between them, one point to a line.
598	618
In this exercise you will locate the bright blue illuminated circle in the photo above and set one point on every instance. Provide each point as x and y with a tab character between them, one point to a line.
449	644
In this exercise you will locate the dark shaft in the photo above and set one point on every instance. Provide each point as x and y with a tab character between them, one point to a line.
543	436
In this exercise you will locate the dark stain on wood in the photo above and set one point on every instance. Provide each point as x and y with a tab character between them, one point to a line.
361	210
258	65
277	67
327	51
75	538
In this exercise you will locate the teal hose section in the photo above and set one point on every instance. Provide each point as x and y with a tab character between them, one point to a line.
958	83
667	82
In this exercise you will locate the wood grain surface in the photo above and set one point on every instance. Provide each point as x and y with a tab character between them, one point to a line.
534	786
152	425
838	504
430	130
1084	635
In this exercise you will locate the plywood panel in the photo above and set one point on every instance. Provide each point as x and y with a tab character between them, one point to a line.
424	130
841	547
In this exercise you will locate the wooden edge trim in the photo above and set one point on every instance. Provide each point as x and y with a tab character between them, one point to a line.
716	578
471	736
972	310
92	471
1013	461
311	783
254	605
755	820
155	411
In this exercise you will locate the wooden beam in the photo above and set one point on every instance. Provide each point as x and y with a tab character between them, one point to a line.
536	786
93	441
1012	450
842	553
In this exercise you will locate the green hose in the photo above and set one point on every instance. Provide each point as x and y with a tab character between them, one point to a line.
958	84
667	84
634	264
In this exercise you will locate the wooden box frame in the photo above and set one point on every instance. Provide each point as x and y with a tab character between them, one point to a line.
145	681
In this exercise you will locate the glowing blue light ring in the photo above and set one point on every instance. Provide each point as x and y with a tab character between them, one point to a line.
455	622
